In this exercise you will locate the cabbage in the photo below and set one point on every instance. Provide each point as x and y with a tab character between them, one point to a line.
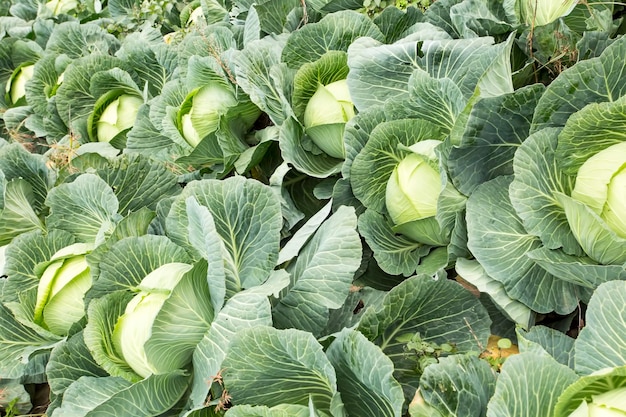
118	116
134	327
62	288
326	115
601	185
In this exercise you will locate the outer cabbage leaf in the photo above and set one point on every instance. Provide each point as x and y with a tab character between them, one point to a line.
246	309
458	386
130	259
321	274
113	396
594	80
364	376
601	344
248	219
335	32
538	179
499	241
266	366
544	339
85	207
441	311
495	129
529	385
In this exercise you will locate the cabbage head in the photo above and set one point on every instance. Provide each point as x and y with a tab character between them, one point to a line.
118	116
601	186
608	404
201	112
16	86
326	115
134	328
57	7
413	189
61	291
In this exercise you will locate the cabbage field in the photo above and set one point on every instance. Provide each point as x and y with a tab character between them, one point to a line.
313	208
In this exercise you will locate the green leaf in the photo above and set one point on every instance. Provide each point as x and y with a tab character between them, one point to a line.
145	138
495	129
322	273
437	100
601	344
597	239
472	272
68	362
262	76
394	253
529	385
138	182
85	207
538	179
102	315
281	410
587	387
593	80
379	72
394	23
440	311
364	376
77	40
311	160
17	215
248	219
578	270
182	321
129	260
458	386
499	241
246	309
116	397
335	32
471	63
17	344
291	249
541	339
17	162
266	366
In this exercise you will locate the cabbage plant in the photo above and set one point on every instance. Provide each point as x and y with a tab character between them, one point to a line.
61	291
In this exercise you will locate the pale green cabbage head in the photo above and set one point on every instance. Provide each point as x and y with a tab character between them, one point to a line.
134	327
414	185
207	105
61	290
326	115
607	404
543	12
601	185
57	7
16	87
118	116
